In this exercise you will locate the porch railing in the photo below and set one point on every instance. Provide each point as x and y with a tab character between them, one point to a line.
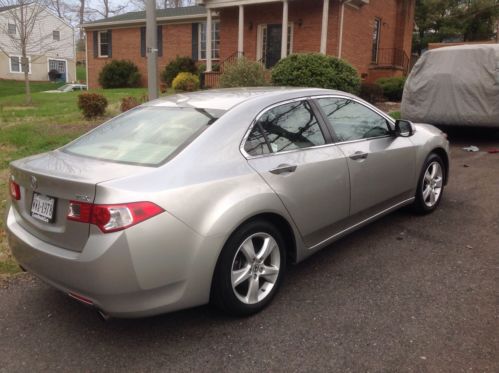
212	79
392	57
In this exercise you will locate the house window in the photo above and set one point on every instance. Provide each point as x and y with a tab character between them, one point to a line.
11	29
375	46
56	35
215	40
103	44
16	66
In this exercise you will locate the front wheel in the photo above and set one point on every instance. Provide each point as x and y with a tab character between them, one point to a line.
250	269
430	185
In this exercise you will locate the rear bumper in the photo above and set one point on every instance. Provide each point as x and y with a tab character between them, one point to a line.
134	273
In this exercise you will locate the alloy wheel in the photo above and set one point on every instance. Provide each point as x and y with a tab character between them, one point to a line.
255	268
432	184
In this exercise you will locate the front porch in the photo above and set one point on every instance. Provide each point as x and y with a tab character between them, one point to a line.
254	29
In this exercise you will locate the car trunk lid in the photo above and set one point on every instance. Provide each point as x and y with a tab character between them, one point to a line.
49	182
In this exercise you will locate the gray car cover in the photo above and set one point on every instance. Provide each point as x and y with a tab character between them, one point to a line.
454	86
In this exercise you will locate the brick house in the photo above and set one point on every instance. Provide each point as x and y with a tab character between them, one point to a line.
375	36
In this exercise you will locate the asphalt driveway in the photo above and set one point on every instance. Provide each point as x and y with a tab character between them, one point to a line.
404	294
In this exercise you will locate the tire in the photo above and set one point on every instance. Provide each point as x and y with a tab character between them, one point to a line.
430	185
245	281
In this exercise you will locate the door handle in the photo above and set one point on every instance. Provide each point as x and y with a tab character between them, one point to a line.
283	168
357	156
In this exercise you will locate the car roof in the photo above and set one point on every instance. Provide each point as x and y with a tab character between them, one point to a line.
226	99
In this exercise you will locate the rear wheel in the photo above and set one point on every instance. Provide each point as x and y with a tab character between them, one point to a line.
430	185
250	269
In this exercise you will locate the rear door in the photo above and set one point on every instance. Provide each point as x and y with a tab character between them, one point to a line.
291	150
382	166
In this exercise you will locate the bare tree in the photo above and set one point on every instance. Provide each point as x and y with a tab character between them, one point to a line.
164	4
104	9
24	35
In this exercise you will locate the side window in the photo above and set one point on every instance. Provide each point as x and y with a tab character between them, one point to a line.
256	144
291	126
353	121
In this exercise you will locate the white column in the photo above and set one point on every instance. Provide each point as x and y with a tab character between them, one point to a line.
340	43
285	21
209	65
240	37
325	22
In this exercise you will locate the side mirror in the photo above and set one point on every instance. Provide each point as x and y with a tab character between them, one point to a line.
404	128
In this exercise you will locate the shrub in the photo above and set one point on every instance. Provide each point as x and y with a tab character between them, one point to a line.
243	73
119	74
177	66
128	103
393	88
186	82
316	70
92	105
371	92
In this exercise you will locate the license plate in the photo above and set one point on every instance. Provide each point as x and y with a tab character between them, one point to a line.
42	208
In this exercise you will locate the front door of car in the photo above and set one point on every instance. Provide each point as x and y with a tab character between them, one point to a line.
381	165
288	148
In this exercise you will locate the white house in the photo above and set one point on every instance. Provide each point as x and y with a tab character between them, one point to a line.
50	44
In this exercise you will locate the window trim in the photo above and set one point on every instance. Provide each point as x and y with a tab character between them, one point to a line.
58	59
378	22
99	44
320	121
20	65
200	26
331	139
8	29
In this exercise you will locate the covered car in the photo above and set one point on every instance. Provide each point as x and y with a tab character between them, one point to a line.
456	85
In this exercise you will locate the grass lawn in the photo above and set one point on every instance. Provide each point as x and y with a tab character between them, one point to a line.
52	121
81	73
13	87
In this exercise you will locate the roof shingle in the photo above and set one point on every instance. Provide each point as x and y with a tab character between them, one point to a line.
160	13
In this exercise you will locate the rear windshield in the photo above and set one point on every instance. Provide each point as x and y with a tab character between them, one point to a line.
144	136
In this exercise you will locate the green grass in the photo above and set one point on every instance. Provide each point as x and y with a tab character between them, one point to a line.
50	122
395	114
14	87
81	73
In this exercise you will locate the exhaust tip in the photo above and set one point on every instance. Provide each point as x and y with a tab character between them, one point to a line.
103	316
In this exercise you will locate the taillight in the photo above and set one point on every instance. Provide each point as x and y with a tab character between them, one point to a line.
112	218
15	190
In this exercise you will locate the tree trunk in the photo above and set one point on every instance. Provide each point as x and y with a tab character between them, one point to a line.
29	101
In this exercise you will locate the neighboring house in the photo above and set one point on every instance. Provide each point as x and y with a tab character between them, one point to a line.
375	36
50	47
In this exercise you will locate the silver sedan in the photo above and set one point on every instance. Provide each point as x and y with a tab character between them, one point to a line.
208	196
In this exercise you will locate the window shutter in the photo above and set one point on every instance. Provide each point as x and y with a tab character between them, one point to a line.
110	41
195	41
96	43
143	41
160	41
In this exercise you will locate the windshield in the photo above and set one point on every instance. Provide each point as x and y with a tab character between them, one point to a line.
144	136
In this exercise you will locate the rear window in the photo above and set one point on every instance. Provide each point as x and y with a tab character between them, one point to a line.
144	136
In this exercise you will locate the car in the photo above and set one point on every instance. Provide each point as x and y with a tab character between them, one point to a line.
454	86
208	196
68	88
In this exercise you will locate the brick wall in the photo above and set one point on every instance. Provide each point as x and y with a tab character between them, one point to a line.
177	41
397	19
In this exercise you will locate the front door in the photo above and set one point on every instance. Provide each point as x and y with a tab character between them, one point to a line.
382	166
273	45
288	148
